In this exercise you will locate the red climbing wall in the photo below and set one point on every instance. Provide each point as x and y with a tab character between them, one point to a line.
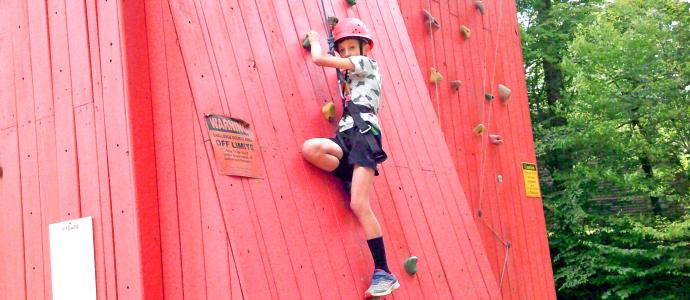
101	114
291	234
491	55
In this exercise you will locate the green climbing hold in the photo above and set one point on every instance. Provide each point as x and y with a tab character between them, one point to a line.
489	96
411	265
352	2
306	44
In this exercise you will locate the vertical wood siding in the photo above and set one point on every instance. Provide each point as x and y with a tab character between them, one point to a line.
102	106
491	56
68	146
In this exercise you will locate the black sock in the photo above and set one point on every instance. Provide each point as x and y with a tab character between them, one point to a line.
378	252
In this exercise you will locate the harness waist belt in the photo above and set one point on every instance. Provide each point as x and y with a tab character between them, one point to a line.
354	110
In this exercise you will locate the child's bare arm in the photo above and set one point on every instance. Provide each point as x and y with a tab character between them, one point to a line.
326	60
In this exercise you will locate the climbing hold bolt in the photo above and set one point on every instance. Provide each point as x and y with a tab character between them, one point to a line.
328	111
455	84
480	6
503	92
431	21
478	129
352	2
306	44
496	139
435	76
508	244
480	213
411	265
489	96
466	32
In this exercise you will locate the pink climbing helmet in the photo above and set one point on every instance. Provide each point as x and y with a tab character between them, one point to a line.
350	28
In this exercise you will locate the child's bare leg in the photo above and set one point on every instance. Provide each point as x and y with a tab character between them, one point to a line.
362	179
323	153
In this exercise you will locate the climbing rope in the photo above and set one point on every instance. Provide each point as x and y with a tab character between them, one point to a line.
484	143
433	61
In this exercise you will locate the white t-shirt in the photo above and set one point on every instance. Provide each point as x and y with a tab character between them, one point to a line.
365	89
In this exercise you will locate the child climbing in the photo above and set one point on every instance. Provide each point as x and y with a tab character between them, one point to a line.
354	152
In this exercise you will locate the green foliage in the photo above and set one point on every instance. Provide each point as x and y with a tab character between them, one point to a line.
609	88
621	257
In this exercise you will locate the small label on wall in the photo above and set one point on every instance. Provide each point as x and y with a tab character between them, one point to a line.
531	177
72	265
234	146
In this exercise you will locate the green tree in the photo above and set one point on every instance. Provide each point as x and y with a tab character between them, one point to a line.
614	117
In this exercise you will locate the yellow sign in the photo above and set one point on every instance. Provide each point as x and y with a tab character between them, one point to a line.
529	173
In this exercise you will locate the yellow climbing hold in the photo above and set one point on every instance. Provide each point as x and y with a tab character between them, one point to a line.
466	32
479	129
435	76
328	111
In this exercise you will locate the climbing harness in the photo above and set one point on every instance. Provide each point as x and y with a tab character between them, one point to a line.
355	111
353	28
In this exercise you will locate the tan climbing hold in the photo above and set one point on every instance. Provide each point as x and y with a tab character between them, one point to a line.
435	76
503	93
431	21
328	111
479	129
455	84
466	32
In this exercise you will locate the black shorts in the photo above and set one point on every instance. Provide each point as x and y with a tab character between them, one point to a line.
355	152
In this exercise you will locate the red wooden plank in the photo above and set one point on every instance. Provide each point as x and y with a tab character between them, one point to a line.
37	283
8	109
215	236
238	217
295	108
142	153
122	207
161	35
460	106
539	239
68	181
79	58
89	185
13	274
521	273
273	232
189	212
40	59
477	247
424	193
441	285
103	239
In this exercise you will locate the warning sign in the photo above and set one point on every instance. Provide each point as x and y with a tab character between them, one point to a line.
234	146
529	173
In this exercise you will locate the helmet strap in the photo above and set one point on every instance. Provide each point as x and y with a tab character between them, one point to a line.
361	46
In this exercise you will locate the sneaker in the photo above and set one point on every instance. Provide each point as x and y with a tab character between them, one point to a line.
382	283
